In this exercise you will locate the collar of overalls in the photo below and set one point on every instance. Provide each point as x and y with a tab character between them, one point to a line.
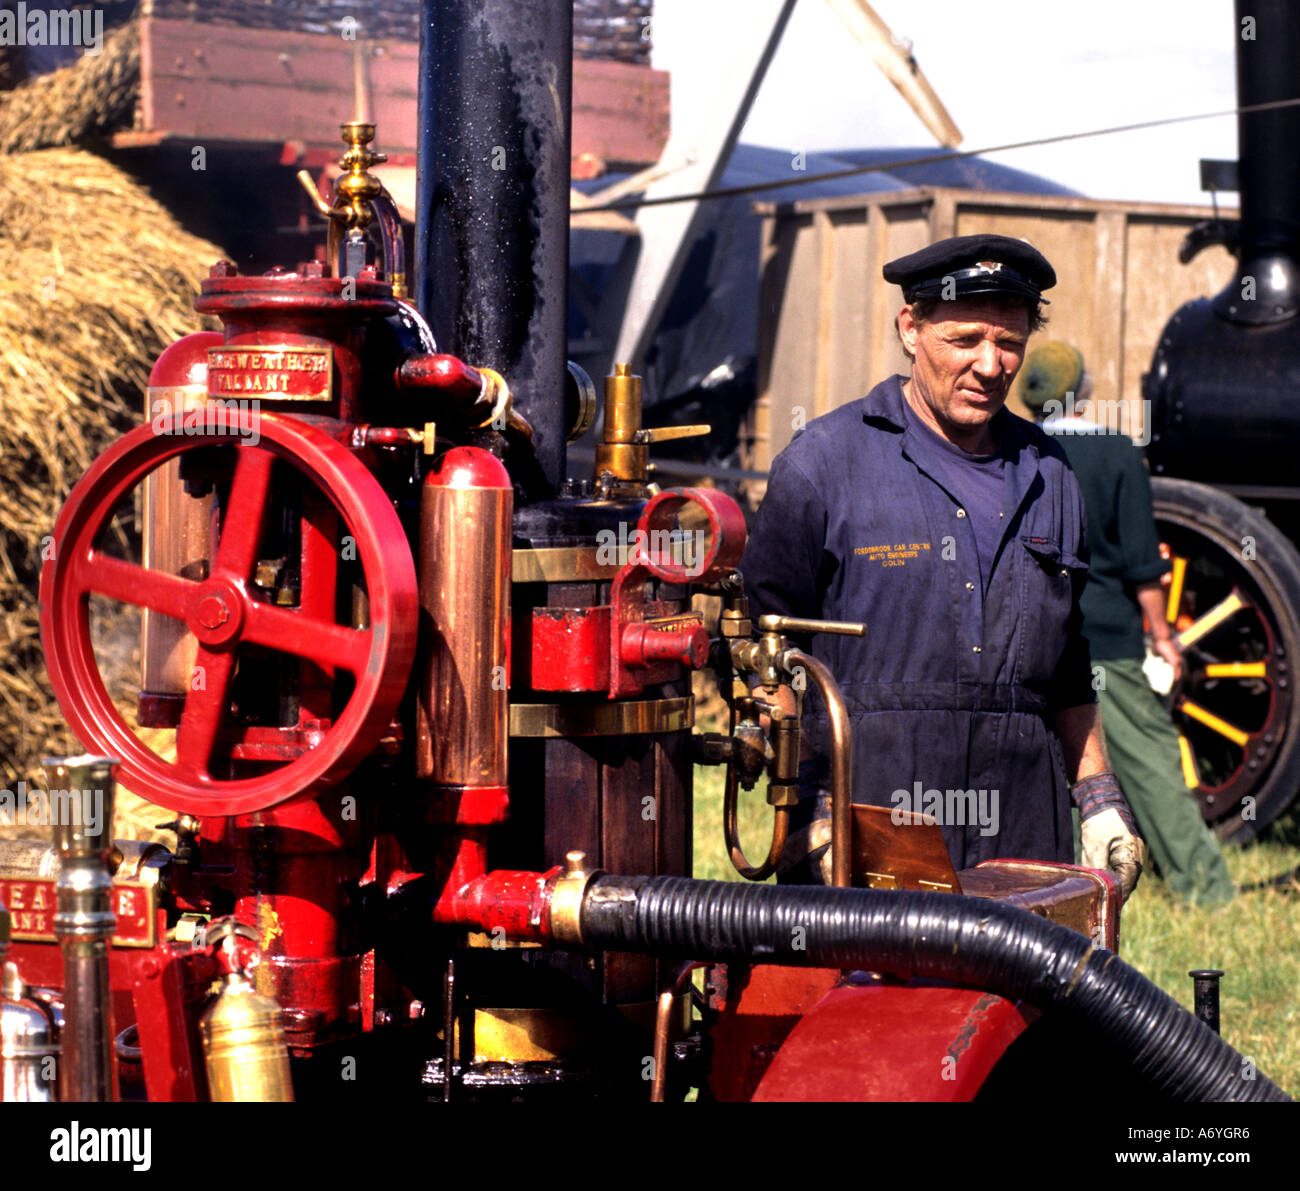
885	404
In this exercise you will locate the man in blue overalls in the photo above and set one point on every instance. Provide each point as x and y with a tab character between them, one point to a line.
955	531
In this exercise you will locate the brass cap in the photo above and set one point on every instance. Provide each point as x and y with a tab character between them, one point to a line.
566	899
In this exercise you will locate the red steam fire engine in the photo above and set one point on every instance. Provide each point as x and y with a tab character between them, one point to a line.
428	738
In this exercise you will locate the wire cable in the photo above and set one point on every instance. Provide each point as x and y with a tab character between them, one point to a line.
883	167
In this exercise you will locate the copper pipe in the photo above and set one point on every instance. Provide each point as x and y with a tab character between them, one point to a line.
731	832
841	762
663	1022
390	236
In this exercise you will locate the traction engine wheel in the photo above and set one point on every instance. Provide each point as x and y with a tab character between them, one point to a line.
230	623
1233	602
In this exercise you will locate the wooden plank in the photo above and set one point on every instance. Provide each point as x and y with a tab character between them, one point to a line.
627	846
943	215
790	296
1028	202
226	83
674	784
756	425
825	311
848	315
879	321
1104	354
884	198
620	111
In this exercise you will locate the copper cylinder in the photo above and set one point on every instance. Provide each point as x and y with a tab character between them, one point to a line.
81	809
244	1049
463	717
177	530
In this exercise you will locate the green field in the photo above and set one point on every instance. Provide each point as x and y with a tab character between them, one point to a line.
1255	940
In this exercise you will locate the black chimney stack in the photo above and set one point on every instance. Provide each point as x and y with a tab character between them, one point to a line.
492	196
1267	286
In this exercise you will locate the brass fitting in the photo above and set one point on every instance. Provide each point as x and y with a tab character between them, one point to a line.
566	899
620	454
761	657
357	188
783	789
734	621
625	452
361	199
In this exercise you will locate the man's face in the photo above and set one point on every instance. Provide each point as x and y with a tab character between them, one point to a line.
964	360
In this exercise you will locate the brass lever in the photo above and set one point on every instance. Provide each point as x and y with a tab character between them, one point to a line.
795	624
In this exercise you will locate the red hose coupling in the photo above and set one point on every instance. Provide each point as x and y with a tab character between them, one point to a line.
517	903
648	643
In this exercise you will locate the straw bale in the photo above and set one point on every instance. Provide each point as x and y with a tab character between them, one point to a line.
93	97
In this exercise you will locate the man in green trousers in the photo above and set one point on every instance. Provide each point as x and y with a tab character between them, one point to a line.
1124	583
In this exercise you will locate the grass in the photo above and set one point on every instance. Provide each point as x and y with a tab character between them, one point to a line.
1255	939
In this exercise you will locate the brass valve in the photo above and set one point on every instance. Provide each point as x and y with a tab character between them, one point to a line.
624	452
748	750
357	189
767	657
359	200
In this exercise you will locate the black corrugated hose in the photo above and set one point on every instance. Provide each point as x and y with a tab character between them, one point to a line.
966	940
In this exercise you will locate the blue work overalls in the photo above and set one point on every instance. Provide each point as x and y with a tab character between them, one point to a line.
952	688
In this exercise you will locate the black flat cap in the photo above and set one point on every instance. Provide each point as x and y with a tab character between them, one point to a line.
966	265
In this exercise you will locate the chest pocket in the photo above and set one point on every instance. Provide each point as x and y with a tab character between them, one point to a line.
1049	576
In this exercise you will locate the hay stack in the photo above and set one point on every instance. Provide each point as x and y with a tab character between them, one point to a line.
65	107
100	279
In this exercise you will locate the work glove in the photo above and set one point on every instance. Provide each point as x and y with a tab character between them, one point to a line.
1107	832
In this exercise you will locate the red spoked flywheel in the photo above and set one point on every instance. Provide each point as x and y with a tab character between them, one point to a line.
226	616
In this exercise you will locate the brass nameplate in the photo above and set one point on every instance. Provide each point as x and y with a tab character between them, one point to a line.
271	373
33	903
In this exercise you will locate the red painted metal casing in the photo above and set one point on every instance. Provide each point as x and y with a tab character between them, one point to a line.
441	373
321	321
819	1034
872	1039
694	535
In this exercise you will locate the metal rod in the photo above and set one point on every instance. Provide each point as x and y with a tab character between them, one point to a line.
81	810
448	1026
492	197
1205	992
